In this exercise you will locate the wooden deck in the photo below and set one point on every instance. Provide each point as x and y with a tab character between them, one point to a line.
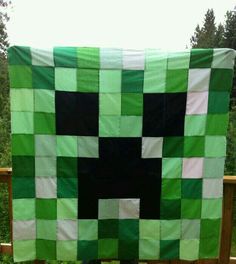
226	234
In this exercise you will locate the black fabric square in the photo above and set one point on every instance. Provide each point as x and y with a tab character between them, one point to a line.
76	113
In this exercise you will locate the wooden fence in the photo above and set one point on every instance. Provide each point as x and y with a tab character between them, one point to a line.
226	233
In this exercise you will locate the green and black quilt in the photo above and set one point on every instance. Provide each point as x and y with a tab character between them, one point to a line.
118	154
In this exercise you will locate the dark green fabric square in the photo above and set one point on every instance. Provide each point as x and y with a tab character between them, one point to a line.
191	208
46	209
23	187
210	228
87	250
22	145
23	166
44	123
43	77
217	124
201	58
169	249
177	80
194	146
132	81
65	57
218	102
67	187
88	58
191	188
88	80
209	248
221	80
67	167
131	104
19	55
129	229
46	249
170	209
173	147
108	248
108	228
128	249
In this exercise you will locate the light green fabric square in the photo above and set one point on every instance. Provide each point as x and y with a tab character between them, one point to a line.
215	146
44	101
211	208
22	99
109	126
189	249
149	249
223	58
190	229
108	209
154	81
24	249
149	229
179	60
87	147
67	250
19	212
170	229
213	167
110	81
22	122
66	79
67	146
155	59
45	167
87	229
45	145
131	126
171	168
47	229
110	103
67	208
195	125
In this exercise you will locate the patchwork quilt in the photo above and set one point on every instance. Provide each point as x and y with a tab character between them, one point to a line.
118	154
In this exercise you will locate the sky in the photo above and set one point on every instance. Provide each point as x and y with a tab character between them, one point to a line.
165	24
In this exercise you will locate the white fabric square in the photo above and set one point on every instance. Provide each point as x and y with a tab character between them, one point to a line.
42	57
67	229
212	188
129	208
192	168
46	187
223	58
110	58
197	103
133	59
198	79
24	230
152	147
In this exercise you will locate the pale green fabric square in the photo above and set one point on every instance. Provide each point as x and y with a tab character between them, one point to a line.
67	250
45	167
223	58
149	229
195	125
131	126
108	209
19	212
171	167
22	99
110	58
110	81
67	208
45	145
22	122
66	79
149	249
87	147
67	146
109	126
154	81
155	59
189	249
190	229
44	101
211	208
47	229
42	57
170	229
179	60
87	229
24	249
110	103
213	167
215	146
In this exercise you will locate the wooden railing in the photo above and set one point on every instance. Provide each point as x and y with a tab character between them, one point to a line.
226	233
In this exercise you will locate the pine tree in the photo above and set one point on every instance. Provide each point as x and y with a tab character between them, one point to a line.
230	30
